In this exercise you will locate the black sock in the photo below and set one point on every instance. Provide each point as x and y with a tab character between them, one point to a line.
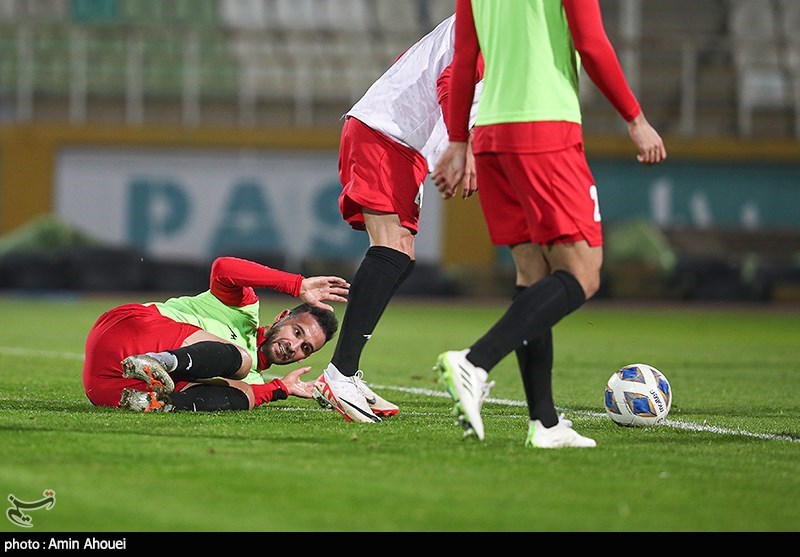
207	359
535	360
403	277
373	285
210	398
532	313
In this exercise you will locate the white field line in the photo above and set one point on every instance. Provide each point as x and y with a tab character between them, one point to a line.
689	426
26	352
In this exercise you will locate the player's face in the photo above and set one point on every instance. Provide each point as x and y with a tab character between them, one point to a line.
292	339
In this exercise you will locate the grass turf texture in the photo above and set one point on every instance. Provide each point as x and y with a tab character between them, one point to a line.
728	460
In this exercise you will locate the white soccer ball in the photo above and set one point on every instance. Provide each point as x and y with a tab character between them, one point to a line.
638	395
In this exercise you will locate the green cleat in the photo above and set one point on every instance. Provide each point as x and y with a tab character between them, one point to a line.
466	385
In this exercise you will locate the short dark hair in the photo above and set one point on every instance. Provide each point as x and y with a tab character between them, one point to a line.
326	318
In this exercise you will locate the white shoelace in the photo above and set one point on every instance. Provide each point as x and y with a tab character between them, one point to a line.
358	379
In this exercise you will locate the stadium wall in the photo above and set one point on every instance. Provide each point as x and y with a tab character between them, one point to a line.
69	171
113	181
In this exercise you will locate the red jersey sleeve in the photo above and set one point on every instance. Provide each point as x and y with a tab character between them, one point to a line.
464	69
444	83
598	56
233	280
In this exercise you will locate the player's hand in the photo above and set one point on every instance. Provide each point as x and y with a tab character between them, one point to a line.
469	183
648	142
317	290
296	386
450	169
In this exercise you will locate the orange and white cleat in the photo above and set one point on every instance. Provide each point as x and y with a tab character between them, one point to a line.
148	369
380	406
343	395
144	401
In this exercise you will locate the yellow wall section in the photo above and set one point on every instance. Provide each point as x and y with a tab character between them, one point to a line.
27	176
466	239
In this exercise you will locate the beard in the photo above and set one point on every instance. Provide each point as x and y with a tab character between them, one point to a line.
271	348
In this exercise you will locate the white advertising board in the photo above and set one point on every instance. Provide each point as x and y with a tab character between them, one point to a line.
197	204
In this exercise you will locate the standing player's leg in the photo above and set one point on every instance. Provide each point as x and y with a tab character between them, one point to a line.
535	356
512	192
532	314
381	193
386	264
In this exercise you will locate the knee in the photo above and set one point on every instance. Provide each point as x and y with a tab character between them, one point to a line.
247	364
403	244
590	284
589	281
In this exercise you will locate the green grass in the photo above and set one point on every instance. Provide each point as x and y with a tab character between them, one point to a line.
728	460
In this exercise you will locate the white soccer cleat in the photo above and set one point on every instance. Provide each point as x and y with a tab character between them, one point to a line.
342	394
562	419
379	405
466	384
559	436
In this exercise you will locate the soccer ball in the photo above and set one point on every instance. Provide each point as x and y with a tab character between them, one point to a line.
638	395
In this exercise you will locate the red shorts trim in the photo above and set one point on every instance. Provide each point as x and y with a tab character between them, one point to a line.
544	198
380	174
121	332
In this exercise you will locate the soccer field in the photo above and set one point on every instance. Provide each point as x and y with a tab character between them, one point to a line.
727	460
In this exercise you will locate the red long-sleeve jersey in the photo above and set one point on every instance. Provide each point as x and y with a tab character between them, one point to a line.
233	280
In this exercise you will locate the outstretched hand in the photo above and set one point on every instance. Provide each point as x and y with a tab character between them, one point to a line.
317	290
296	386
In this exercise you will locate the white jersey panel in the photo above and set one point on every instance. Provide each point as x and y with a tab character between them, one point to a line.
403	103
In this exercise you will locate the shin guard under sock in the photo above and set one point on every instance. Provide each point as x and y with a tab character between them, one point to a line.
536	366
532	313
402	279
535	359
210	398
373	285
207	359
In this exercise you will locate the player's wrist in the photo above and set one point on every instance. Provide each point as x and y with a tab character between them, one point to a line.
281	390
637	120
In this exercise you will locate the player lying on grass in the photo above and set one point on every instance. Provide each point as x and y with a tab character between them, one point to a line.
206	352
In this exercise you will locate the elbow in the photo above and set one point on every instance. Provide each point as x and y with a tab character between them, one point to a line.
219	264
